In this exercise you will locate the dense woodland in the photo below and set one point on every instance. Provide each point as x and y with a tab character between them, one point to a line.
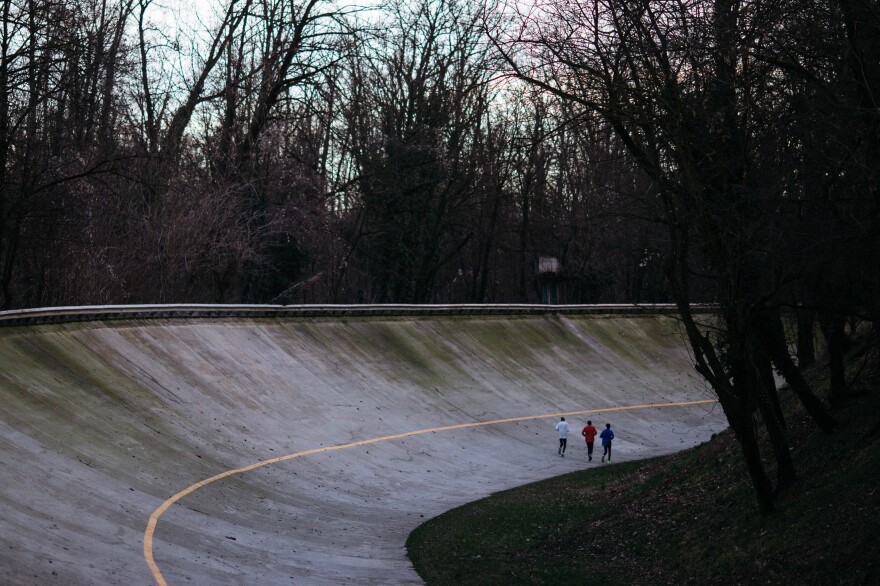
298	152
283	151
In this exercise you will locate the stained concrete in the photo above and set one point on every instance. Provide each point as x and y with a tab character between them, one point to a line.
101	423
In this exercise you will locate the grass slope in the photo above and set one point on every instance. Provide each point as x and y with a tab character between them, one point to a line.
686	518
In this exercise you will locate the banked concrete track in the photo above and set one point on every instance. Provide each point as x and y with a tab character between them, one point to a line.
101	423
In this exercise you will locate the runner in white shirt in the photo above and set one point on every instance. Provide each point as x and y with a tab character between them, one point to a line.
562	428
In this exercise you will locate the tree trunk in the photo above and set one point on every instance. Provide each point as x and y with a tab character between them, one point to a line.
736	399
745	432
770	328
774	420
746	384
838	344
806	347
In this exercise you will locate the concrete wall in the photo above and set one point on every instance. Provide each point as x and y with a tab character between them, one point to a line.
101	423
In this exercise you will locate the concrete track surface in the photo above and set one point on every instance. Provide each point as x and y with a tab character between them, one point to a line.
101	423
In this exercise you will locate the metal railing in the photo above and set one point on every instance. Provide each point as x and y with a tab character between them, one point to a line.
47	315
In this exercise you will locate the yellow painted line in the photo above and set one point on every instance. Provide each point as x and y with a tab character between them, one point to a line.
154	518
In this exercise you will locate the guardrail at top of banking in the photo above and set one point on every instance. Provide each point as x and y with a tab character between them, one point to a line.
67	314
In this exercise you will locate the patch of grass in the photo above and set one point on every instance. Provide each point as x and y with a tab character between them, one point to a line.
688	518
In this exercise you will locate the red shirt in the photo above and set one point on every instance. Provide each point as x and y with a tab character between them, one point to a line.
589	432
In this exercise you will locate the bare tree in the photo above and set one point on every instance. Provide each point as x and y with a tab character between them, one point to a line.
684	88
421	103
58	70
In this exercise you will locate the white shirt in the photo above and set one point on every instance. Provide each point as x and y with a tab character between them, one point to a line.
562	428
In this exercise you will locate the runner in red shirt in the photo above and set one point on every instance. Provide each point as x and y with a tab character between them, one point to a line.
589	432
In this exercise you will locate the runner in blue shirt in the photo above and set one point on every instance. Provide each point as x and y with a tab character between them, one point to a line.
607	435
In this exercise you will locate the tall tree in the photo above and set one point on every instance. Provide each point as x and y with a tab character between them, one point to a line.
418	119
691	91
59	69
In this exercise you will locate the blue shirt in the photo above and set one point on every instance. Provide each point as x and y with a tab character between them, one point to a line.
607	435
